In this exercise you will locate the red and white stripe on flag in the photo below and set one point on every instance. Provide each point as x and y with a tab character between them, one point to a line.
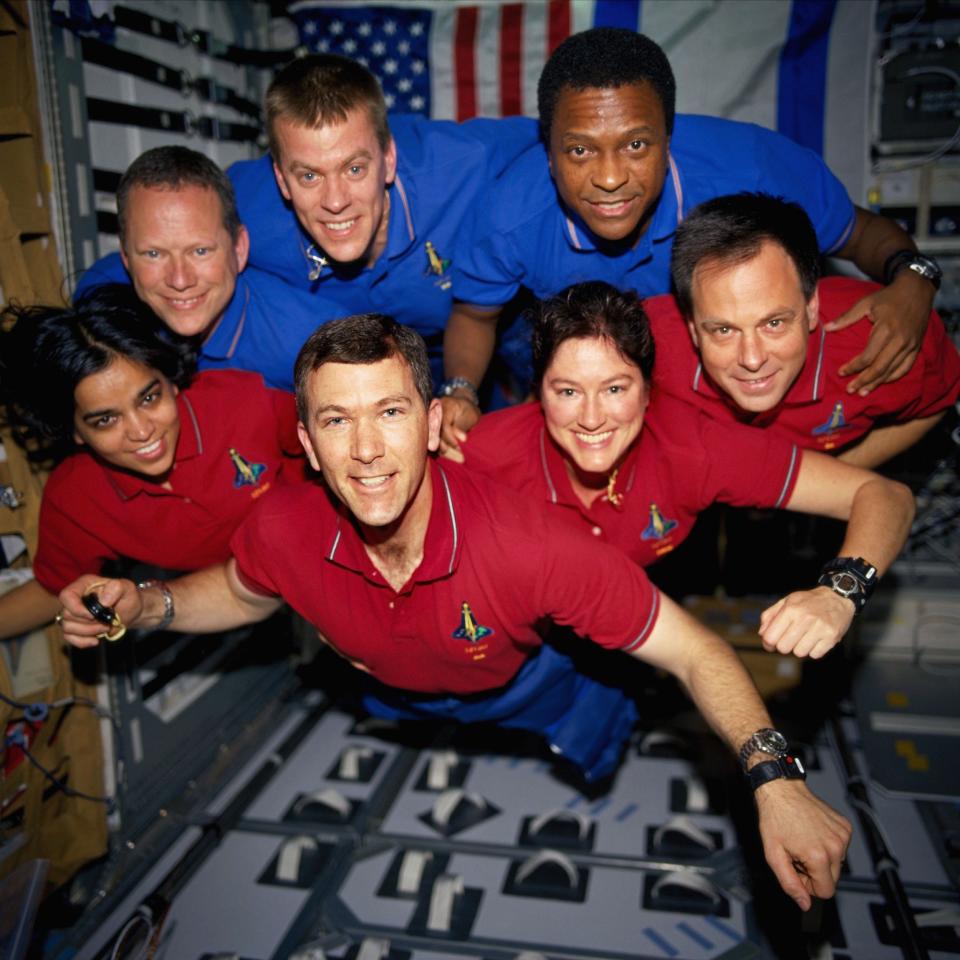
485	61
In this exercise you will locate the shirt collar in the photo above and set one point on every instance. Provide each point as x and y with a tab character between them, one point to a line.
400	235
554	468
442	541
222	343
663	225
189	445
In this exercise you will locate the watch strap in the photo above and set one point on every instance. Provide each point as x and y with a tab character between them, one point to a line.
760	742
786	767
863	573
905	259
459	383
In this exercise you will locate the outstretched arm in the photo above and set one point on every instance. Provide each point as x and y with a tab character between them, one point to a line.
804	840
899	312
878	514
468	345
207	601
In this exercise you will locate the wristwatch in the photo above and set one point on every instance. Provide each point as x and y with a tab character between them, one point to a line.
787	767
168	608
763	741
459	383
850	577
927	267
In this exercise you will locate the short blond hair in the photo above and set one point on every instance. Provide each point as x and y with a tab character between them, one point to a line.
324	88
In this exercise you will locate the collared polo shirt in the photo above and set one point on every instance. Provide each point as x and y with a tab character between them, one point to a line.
525	236
493	567
816	413
236	438
263	328
443	172
680	463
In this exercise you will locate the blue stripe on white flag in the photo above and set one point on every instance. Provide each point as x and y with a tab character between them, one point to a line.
802	86
617	13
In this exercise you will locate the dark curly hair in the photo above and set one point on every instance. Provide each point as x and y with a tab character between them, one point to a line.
592	310
605	58
46	351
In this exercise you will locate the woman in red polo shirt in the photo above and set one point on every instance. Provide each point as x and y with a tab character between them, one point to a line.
637	468
152	463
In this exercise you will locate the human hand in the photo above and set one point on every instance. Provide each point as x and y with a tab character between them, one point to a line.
80	628
804	840
808	623
459	417
899	314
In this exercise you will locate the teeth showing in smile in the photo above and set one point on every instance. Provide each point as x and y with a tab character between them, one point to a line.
184	304
338	227
149	448
594	437
373	481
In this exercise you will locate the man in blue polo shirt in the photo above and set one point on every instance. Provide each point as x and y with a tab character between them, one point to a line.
184	249
367	215
603	201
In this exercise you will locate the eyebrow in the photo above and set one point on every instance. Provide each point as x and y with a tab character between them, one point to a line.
97	414
645	129
391	401
303	165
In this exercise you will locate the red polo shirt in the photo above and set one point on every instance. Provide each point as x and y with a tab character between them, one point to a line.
236	436
681	462
817	412
493	567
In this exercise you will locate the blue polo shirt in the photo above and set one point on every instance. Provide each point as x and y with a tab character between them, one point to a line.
262	329
443	172
524	235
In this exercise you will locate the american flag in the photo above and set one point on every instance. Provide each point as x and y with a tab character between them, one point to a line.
452	60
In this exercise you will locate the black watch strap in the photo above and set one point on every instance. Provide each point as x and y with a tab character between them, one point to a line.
852	578
787	767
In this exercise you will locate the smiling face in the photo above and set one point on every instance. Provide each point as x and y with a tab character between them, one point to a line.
608	156
593	401
181	257
368	432
336	176
751	324
127	415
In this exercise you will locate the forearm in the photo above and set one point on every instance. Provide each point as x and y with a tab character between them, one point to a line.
872	241
880	520
469	341
208	601
884	443
710	670
25	608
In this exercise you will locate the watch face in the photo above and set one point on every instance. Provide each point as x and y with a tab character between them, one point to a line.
846	584
771	741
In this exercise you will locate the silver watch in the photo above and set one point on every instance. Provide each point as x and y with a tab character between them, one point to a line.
767	741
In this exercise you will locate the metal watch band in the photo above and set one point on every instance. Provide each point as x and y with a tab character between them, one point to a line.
459	383
766	740
168	608
780	768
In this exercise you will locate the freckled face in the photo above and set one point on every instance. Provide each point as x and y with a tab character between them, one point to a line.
751	324
594	401
336	179
368	432
608	156
180	256
127	415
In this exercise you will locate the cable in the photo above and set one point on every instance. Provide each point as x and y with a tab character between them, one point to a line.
18	739
37	711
